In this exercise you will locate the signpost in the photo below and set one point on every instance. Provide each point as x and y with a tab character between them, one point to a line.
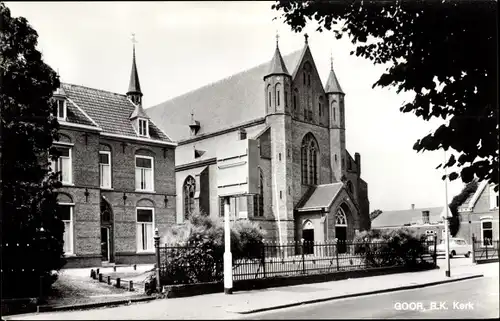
445	214
237	175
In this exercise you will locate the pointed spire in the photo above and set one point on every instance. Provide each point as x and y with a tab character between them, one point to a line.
277	65
332	84
134	87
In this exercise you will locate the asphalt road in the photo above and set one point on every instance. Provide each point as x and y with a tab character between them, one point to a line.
476	298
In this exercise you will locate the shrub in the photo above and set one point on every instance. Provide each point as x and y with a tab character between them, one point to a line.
390	248
196	249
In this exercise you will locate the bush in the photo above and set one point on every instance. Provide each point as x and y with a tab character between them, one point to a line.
196	249
390	248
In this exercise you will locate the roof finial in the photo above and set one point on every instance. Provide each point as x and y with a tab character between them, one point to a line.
306	36
192	115
277	38
331	60
134	41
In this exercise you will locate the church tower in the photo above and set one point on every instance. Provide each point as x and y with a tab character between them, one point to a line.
277	86
336	125
134	88
139	118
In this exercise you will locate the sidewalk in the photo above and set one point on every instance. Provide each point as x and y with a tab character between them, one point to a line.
220	306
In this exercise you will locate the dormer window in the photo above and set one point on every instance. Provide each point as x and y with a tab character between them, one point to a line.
60	111
143	127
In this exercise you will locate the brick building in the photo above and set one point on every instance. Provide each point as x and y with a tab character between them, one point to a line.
117	170
423	221
480	215
309	182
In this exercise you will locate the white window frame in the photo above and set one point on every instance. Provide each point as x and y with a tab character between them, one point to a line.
137	223
493	198
70	157
64	106
486	220
110	169
71	223
152	173
146	128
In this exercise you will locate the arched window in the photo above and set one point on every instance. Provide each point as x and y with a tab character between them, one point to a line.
269	99
188	189
309	154
277	93
340	218
258	200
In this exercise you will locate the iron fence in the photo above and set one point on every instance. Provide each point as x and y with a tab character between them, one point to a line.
485	249
195	264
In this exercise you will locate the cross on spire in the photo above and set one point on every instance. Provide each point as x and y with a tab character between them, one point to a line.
134	41
277	38
331	60
306	36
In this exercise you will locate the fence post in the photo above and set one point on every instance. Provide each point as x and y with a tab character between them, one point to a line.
473	249
303	258
336	249
100	277
118	282
434	255
130	285
264	258
157	248
109	280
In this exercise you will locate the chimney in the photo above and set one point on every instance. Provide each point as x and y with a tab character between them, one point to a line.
357	159
412	207
425	217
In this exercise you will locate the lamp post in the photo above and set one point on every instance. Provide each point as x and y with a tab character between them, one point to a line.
228	257
446	222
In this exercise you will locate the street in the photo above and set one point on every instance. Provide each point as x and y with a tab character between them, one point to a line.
476	298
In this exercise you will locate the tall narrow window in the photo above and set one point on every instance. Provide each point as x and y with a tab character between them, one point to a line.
269	100
304	77
277	95
65	213
319	109
145	229
143	127
493	198
286	98
105	169
189	189
258	199
309	80
309	155
487	232
221	206
277	98
63	165
60	109
294	102
144	173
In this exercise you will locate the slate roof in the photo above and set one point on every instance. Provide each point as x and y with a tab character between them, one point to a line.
110	111
332	84
322	196
402	217
277	65
228	102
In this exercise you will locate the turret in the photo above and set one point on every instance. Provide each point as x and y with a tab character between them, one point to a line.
277	85
139	118
335	96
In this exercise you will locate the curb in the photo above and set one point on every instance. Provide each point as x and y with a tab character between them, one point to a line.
87	306
401	288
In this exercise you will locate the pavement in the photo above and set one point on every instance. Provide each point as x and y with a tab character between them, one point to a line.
242	303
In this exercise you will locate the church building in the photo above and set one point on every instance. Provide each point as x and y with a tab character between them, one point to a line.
310	185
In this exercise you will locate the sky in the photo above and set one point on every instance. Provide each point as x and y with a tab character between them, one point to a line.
182	46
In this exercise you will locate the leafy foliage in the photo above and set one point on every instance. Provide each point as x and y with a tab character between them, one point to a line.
32	232
456	202
196	249
445	52
390	248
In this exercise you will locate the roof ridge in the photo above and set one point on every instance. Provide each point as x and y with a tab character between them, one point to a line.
222	79
96	89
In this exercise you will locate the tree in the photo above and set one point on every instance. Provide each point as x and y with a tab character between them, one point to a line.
456	202
444	52
32	232
375	214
